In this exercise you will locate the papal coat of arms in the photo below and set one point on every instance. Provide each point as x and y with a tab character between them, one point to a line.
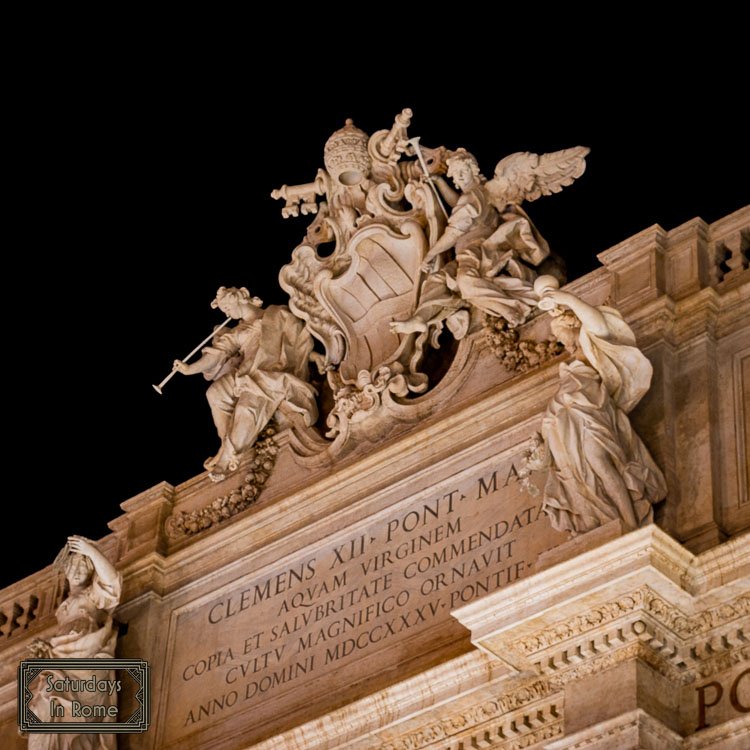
410	255
394	257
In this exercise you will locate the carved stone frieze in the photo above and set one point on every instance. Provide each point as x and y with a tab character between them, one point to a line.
634	729
641	625
602	663
682	625
480	714
581	624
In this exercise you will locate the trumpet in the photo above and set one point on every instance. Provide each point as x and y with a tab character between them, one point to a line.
158	388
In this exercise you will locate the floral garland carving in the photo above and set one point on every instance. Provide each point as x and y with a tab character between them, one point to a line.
355	401
226	506
517	354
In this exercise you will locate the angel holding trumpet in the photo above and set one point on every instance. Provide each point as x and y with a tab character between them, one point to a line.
495	243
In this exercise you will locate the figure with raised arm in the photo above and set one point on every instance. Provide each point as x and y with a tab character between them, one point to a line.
85	630
599	469
259	369
495	246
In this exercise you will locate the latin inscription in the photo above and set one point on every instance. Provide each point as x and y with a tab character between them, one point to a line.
712	695
391	581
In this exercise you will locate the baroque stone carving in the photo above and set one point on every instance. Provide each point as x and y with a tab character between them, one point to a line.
639	625
379	216
599	469
384	287
643	598
495	245
259	370
234	502
85	630
721	663
473	716
517	354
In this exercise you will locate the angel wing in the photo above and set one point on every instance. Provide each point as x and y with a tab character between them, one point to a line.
525	176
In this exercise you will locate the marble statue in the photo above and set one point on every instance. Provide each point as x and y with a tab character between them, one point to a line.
495	244
85	630
599	469
259	370
399	265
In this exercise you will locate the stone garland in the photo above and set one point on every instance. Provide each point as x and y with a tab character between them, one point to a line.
226	506
517	354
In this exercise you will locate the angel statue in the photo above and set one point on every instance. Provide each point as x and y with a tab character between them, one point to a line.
85	630
495	243
599	469
259	370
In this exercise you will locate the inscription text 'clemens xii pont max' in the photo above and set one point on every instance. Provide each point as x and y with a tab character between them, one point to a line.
392	581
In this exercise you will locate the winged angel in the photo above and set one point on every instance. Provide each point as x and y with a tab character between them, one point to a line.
495	243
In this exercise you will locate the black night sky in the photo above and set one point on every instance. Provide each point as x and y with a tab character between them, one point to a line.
141	190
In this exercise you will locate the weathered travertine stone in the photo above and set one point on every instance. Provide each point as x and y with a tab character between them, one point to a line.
402	269
492	237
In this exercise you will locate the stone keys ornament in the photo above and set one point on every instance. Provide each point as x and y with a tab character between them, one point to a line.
400	266
259	370
599	470
85	630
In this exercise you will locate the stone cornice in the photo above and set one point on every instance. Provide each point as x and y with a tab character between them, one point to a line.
411	715
687	631
579	578
276	520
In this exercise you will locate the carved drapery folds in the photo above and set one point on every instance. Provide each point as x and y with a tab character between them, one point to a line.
393	256
259	371
599	470
85	630
408	256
